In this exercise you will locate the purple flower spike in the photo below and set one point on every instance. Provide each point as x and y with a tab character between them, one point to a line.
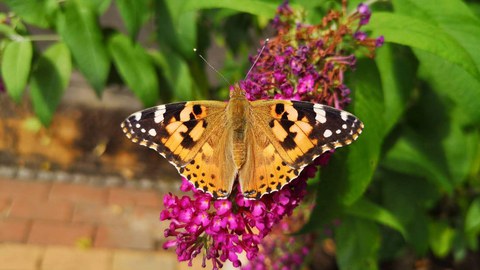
301	62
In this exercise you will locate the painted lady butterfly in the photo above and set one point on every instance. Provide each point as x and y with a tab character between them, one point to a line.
266	143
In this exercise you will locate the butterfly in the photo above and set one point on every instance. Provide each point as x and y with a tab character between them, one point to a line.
264	144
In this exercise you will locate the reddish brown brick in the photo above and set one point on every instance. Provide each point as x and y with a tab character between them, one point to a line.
129	196
95	213
77	193
23	189
28	209
4	206
13	230
125	236
58	233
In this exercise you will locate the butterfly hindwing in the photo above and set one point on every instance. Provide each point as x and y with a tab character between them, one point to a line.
288	136
212	170
265	171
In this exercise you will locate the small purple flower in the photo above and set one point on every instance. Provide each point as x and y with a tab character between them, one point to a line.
296	64
222	206
359	35
379	41
364	12
305	84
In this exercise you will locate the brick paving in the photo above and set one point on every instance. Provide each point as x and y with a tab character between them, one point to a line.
52	225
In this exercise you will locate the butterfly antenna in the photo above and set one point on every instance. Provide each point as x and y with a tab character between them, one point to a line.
256	59
214	69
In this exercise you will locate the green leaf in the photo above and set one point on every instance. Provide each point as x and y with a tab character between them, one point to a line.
133	14
441	238
397	67
423	35
79	29
176	28
35	12
357	242
472	219
16	62
363	155
407	155
350	169
135	68
366	209
49	80
453	82
408	198
259	8
461	145
453	16
177	75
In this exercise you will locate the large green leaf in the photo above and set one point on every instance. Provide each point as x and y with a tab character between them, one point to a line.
135	67
35	12
366	209
16	62
133	14
177	76
453	82
350	170
176	28
409	31
408	197
453	16
362	156
456	19
397	67
50	78
79	29
357	242
409	155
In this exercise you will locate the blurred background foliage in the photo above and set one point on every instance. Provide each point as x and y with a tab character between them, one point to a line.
409	187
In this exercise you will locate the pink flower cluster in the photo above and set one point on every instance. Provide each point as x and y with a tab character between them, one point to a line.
302	62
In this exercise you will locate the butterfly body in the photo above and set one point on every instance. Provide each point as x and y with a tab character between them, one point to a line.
264	143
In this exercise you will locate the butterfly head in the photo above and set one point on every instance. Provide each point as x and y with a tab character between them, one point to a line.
237	92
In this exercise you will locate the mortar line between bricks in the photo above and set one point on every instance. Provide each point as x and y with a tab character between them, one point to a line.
29	230
41	258
49	193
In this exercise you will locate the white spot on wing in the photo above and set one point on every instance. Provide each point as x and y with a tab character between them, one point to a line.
344	115
137	115
327	133
152	132
344	126
159	114
143	130
137	125
338	131
320	113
